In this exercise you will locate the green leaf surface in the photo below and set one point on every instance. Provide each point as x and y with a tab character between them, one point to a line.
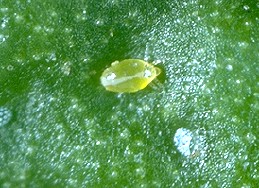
59	127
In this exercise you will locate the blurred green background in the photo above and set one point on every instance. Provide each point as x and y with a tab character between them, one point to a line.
60	128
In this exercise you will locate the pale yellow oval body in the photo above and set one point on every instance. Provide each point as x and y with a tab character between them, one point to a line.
129	75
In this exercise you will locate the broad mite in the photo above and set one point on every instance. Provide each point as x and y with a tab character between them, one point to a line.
129	75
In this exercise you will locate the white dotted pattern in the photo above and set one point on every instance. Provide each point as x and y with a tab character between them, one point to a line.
5	116
182	140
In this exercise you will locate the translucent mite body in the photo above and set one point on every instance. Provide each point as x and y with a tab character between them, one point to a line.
129	75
